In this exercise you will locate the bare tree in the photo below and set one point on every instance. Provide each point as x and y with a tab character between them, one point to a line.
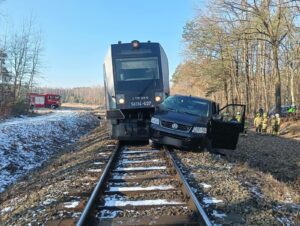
24	58
240	45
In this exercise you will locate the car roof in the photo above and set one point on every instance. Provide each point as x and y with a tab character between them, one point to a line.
195	97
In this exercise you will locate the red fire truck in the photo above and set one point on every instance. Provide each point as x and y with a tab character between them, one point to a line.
47	100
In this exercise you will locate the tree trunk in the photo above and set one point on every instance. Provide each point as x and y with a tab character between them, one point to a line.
275	48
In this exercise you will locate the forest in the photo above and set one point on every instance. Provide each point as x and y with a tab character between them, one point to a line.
243	51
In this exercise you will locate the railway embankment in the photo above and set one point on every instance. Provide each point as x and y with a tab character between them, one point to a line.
58	191
28	142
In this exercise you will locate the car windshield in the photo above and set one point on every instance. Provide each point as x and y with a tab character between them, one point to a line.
188	105
132	69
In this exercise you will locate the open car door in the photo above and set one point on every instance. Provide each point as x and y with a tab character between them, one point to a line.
227	125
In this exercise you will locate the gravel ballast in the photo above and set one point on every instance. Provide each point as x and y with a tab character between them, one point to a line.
256	184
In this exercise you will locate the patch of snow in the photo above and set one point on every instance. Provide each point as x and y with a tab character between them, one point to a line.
27	142
141	168
108	213
209	200
110	145
285	221
98	163
48	201
256	191
6	209
94	170
194	189
119	203
219	215
204	185
150	188
71	204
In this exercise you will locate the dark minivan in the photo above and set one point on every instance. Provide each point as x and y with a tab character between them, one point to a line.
192	122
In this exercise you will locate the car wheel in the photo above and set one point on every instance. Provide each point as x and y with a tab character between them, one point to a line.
209	147
154	144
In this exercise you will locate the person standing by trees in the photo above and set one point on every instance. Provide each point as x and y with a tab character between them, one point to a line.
277	124
258	123
273	122
265	123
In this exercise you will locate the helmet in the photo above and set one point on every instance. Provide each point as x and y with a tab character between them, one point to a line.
238	113
265	114
272	116
277	115
257	114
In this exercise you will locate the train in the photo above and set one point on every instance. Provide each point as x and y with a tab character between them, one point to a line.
136	80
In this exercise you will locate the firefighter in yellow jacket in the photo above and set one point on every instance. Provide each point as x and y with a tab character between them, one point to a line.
258	123
265	123
273	122
277	124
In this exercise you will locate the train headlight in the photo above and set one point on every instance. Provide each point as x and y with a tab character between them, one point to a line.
155	121
197	129
158	97
120	98
135	44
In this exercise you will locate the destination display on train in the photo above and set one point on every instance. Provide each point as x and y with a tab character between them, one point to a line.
140	101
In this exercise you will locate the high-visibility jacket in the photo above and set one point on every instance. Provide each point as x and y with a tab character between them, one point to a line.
273	122
257	121
277	121
265	123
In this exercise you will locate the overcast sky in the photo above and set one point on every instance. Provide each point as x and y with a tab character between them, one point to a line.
76	34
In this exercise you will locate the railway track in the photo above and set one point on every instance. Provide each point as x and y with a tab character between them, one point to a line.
142	186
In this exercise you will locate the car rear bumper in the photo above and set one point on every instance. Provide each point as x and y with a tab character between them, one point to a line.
177	139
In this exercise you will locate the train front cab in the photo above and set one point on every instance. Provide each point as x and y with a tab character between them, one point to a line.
136	80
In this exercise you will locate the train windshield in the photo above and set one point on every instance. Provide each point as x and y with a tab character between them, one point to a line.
132	69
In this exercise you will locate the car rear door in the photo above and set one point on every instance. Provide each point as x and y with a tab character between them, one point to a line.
225	126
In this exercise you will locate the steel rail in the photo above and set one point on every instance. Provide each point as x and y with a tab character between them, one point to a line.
89	206
203	215
202	218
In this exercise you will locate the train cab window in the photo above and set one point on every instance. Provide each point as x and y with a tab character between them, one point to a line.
132	69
